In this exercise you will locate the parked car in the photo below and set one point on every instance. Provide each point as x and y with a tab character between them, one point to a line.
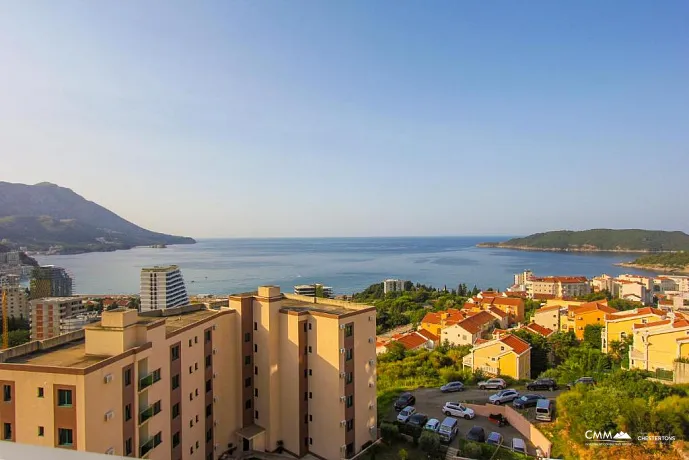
542	384
492	384
458	409
418	420
405	399
544	410
448	429
477	434
527	400
494	438
451	387
432	425
518	445
405	413
583	381
503	396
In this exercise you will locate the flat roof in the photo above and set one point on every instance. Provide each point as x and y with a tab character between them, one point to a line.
175	322
302	306
58	299
160	268
70	354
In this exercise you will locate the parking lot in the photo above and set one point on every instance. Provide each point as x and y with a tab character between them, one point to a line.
430	401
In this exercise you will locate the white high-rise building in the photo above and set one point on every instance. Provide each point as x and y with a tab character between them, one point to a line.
162	287
393	285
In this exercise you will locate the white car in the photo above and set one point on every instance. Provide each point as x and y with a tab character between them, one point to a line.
503	396
457	409
405	413
492	384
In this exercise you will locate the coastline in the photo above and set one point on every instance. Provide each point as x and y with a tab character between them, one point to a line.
655	268
77	251
583	249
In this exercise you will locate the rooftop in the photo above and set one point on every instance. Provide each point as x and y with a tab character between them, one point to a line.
58	299
323	306
173	323
160	268
70	354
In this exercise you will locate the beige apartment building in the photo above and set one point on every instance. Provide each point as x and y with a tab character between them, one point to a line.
15	296
52	316
558	286
266	371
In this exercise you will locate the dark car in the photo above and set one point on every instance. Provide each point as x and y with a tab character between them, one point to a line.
405	399
477	434
583	381
542	384
418	420
527	400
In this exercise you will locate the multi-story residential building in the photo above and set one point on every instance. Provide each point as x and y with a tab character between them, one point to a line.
589	313
631	290
467	331
602	283
10	258
512	306
508	356
663	284
314	290
682	282
435	322
656	345
550	316
266	373
520	279
558	286
620	325
16	298
50	281
162	287
53	316
393	285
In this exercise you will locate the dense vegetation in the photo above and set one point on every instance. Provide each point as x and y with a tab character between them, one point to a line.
603	240
677	260
18	331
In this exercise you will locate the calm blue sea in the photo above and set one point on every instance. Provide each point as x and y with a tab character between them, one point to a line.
221	266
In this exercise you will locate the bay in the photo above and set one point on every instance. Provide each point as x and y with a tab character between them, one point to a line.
222	266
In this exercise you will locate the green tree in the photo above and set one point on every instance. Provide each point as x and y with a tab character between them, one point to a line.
18	337
403	454
540	351
593	334
623	304
395	352
429	442
389	432
561	343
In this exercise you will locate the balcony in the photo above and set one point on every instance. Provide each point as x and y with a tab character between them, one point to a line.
467	361
149	412
490	370
149	445
149	380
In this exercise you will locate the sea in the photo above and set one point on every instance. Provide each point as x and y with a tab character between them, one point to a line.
349	265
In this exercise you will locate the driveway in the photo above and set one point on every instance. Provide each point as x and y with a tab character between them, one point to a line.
430	401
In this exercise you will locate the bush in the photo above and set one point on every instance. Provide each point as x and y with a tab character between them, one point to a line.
403	454
471	450
429	442
389	432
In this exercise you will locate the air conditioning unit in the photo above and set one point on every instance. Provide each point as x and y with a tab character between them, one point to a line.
342	326
343	398
109	415
215	375
343	423
370	405
215	422
370	340
343	375
342	350
371	361
215	399
214	351
107	378
110	451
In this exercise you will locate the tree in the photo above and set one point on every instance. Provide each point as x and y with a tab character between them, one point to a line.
403	454
429	442
561	343
18	337
475	291
623	304
540	351
395	351
388	431
592	335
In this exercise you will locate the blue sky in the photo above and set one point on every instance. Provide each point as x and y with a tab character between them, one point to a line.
353	118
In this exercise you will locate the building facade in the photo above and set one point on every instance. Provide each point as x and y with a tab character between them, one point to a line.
508	356
51	316
314	290
393	285
162	287
264	373
16	297
620	326
549	316
558	286
50	281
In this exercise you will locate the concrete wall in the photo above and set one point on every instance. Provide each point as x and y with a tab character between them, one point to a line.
36	345
681	373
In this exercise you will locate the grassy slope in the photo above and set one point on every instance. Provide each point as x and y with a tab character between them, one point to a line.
671	260
605	239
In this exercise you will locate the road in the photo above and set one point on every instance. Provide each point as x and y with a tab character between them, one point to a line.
430	401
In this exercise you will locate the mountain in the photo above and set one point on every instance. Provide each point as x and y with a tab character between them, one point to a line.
606	240
43	215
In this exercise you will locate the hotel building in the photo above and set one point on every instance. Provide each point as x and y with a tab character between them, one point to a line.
52	316
267	372
162	287
16	298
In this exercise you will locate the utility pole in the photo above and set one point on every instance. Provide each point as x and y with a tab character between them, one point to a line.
5	325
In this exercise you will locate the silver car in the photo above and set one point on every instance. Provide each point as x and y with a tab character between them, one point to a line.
503	396
492	384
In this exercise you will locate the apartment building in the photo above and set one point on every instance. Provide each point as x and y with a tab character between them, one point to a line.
15	296
162	287
513	307
314	290
663	284
435	322
589	313
558	286
507	355
393	285
467	331
50	281
269	371
656	345
619	326
53	316
550	316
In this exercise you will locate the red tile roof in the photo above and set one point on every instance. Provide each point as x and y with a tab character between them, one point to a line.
640	312
562	279
428	335
522	294
433	318
498	312
591	306
479	341
518	345
544	296
538	329
412	341
653	324
549	307
475	323
514	302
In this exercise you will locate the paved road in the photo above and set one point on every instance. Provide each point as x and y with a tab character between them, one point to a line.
430	401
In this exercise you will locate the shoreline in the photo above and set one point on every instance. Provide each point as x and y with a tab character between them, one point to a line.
536	249
655	268
104	249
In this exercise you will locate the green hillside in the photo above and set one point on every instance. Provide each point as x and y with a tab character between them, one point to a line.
601	240
678	260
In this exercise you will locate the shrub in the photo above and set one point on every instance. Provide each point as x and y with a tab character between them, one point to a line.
429	442
403	454
389	432
471	450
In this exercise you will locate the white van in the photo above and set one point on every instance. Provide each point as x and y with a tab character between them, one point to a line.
544	410
518	445
448	429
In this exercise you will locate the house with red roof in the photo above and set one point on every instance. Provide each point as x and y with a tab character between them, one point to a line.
507	355
657	345
538	329
619	326
467	331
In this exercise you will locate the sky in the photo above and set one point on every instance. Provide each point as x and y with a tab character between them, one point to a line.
353	118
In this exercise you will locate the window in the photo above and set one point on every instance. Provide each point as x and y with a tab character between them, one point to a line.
64	398
209	361
175	439
310	372
209	435
306	396
196	392
350	401
196	366
349	330
247	360
175	381
174	353
64	437
247	404
127	377
247	337
256	392
209	385
128	447
502	348
6	393
309	326
255	370
256	415
306	418
304	326
197	419
305	373
175	411
191	423
127	412
209	410
247	382
7	431
310	440
350	354
310	418
310	349
197	444
191	450
40	392
189	342
191	396
255	326
310	395
349	378
191	369
350	424
255	348
207	336
196	339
